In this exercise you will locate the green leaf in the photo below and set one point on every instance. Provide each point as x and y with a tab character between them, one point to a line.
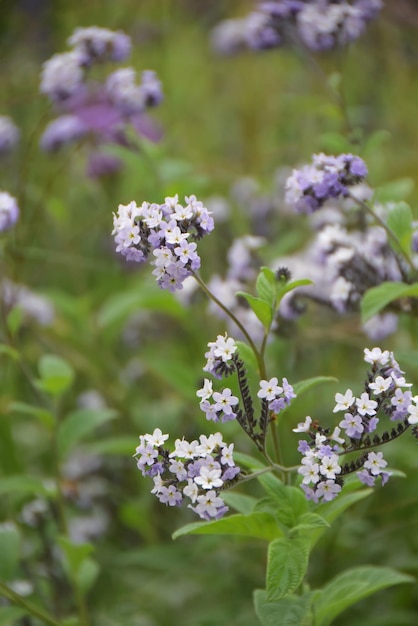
248	461
123	445
290	503
308	522
9	615
394	190
290	611
14	320
118	307
247	355
80	423
9	550
258	524
22	483
351	586
45	417
87	574
330	511
239	501
74	554
302	282
399	220
303	386
9	351
377	298
261	308
287	562
56	374
266	286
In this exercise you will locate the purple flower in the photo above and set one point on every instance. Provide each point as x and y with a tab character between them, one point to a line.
62	131
9	211
9	135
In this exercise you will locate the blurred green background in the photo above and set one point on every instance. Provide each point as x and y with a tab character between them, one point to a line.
224	119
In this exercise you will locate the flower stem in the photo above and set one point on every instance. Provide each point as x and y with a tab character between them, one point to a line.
27	606
257	354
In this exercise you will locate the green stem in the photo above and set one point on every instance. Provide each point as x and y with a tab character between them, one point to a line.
257	354
388	230
28	606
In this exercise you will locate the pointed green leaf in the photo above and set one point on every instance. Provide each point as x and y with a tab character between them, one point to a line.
45	417
258	524
287	563
266	285
74	555
22	483
290	611
87	574
248	461
79	424
377	298
261	308
247	355
56	374
351	586
239	501
399	220
302	282
309	522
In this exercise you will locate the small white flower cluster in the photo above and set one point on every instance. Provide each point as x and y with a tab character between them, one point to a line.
197	470
165	230
385	395
278	397
219	356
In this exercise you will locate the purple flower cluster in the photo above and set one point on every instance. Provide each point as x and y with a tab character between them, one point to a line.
9	135
386	394
100	110
168	231
197	470
308	188
317	24
9	211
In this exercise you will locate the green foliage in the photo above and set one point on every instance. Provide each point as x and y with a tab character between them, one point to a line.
377	298
351	586
78	424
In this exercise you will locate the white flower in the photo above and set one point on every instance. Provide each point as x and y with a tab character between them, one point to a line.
309	470
329	466
376	356
380	385
209	478
269	389
206	391
344	401
191	490
157	438
303	427
413	414
375	463
224	347
365	405
208	504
